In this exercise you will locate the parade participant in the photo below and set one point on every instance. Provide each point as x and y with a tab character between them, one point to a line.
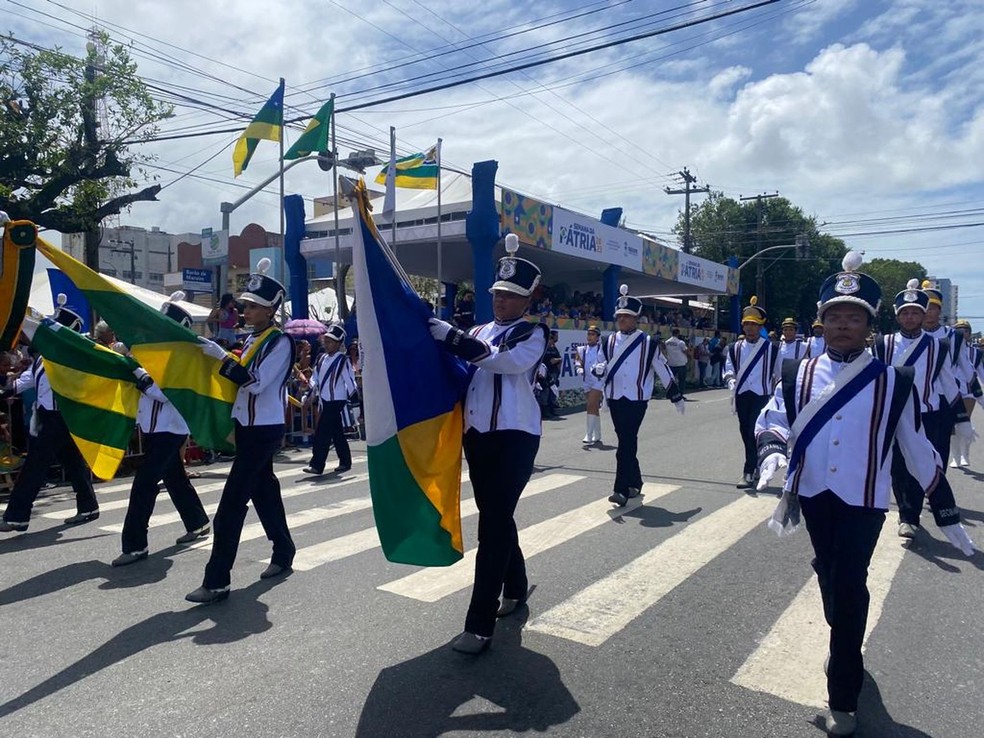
585	357
261	373
50	440
553	361
933	380
840	413
749	371
332	382
502	436
963	370
164	435
677	357
630	361
815	344
791	347
969	359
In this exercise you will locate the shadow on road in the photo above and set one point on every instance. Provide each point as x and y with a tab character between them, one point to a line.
241	616
429	695
873	718
41	539
657	517
940	552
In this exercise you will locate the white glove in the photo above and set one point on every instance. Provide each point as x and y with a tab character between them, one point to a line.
768	468
965	432
211	348
139	373
956	535
680	406
732	383
439	329
579	371
599	369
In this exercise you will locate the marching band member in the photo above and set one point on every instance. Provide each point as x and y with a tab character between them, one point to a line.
333	383
631	359
815	344
842	417
165	433
586	357
972	360
749	371
791	346
50	440
261	373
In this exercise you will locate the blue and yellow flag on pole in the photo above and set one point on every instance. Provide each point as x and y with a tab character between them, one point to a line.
415	172
413	410
268	125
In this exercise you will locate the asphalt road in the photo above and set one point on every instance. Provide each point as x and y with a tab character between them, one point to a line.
682	617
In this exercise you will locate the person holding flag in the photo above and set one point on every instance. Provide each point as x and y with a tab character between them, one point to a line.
502	436
259	410
165	433
50	440
842	419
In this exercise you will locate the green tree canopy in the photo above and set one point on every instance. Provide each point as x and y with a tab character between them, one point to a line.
892	276
65	126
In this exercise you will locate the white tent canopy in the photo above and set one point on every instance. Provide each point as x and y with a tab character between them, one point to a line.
322	305
42	300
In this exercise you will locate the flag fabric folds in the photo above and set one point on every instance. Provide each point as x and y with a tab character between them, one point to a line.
94	390
316	136
415	172
267	125
413	410
16	273
168	351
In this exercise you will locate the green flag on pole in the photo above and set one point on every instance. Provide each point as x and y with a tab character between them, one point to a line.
316	136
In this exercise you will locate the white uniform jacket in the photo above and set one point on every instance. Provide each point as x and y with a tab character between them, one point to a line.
587	357
933	372
851	453
262	400
156	414
633	360
763	358
332	379
815	346
500	393
961	362
788	351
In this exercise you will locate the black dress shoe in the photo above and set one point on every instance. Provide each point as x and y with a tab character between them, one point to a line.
312	470
471	644
129	558
275	570
6	527
82	517
194	535
340	468
205	596
508	606
618	498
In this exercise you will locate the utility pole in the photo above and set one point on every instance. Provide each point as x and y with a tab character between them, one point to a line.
759	212
90	135
688	180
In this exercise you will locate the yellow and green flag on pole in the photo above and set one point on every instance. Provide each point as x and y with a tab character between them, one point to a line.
267	125
317	134
415	172
94	389
16	273
168	351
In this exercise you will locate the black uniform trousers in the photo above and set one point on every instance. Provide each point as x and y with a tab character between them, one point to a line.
499	465
251	478
748	405
162	460
909	494
627	418
330	432
52	442
844	538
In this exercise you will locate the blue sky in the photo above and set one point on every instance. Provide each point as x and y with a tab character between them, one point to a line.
868	114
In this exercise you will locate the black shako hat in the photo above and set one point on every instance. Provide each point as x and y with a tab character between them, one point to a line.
336	333
627	305
261	289
174	311
66	316
911	296
513	274
850	286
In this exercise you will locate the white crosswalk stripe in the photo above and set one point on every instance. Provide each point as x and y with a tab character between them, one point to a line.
364	540
599	611
430	585
788	663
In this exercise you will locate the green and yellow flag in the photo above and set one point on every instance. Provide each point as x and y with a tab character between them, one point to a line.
94	389
169	352
316	135
267	125
417	171
16	272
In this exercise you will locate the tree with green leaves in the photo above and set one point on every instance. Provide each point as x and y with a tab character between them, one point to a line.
66	126
892	276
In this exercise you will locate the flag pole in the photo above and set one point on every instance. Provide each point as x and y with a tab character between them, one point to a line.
441	309
393	175
334	183
283	249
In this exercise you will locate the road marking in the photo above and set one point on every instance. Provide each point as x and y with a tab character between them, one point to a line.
430	585
788	663
364	540
599	611
286	494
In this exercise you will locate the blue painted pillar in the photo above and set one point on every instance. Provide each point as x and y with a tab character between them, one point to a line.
296	263
482	231
609	294
735	300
